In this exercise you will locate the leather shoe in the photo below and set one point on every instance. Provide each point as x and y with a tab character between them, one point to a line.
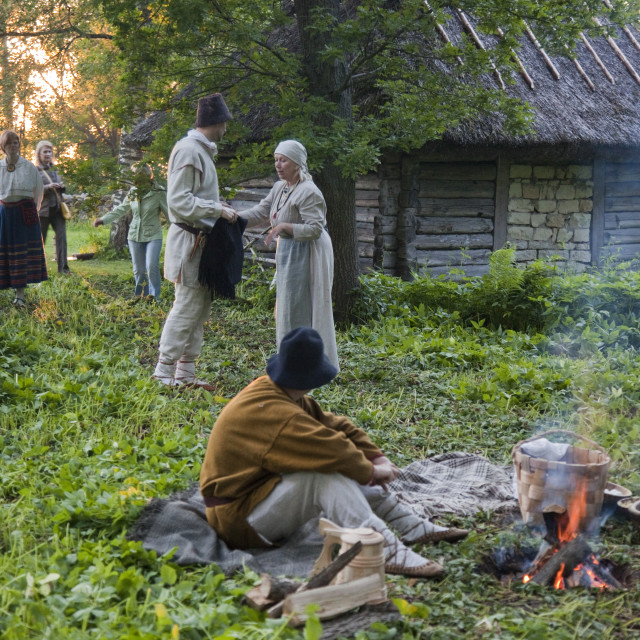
448	535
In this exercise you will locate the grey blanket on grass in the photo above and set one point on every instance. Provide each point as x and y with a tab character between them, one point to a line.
454	483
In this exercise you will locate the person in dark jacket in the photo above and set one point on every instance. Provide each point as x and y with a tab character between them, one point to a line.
50	212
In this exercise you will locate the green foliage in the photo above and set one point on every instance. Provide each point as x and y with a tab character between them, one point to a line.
507	296
86	439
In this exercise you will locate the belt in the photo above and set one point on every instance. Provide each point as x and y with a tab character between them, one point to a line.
199	233
212	501
186	227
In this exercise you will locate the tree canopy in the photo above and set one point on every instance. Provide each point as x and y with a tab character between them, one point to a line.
348	79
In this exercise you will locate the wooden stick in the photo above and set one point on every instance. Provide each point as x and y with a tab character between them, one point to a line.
620	54
597	58
323	578
474	36
554	72
582	72
523	71
442	32
571	555
626	29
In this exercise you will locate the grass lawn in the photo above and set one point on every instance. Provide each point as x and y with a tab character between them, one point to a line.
87	438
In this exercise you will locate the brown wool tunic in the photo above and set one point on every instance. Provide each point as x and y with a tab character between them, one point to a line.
260	435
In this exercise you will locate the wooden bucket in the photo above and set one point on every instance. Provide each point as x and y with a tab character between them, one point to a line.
370	560
543	482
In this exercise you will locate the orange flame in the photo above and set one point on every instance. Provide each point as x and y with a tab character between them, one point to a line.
558	583
576	513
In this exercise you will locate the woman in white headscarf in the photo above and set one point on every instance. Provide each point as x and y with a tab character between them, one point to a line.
296	209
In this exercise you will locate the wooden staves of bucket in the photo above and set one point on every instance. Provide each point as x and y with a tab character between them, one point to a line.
542	482
362	581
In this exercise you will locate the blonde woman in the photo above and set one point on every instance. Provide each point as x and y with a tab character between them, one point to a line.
50	211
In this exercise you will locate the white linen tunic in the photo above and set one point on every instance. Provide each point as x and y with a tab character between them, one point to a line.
304	262
25	182
193	198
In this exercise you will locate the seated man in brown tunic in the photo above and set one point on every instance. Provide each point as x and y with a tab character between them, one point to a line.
275	460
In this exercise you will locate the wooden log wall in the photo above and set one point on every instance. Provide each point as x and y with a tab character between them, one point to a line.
621	236
451	206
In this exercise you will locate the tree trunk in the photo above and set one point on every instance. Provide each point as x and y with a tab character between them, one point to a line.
326	79
340	195
6	78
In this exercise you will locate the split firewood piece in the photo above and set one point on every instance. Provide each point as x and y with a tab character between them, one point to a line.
269	591
571	555
277	589
335	599
256	600
323	578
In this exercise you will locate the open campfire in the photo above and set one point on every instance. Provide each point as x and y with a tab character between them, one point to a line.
565	558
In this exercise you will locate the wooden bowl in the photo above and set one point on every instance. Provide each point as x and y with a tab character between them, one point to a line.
83	256
630	508
613	493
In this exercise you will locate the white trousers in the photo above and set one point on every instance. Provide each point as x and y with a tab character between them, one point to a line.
300	496
183	330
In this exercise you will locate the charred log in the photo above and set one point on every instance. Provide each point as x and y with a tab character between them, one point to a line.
565	560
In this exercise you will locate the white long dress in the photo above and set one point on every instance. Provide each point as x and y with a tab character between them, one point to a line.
304	262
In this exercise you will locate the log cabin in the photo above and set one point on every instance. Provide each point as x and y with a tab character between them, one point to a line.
568	192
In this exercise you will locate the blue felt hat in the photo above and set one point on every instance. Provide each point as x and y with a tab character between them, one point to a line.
301	362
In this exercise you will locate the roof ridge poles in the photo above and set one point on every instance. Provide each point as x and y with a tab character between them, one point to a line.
552	67
597	58
620	54
523	71
474	36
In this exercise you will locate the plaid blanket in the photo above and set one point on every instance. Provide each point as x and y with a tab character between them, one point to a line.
456	483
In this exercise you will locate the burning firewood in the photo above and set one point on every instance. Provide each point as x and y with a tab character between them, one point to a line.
563	562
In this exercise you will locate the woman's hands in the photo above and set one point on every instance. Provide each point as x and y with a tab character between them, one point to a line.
97	222
281	227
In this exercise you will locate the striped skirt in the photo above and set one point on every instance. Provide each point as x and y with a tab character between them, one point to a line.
22	258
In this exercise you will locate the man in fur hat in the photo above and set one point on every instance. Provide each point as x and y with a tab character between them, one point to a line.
275	460
194	206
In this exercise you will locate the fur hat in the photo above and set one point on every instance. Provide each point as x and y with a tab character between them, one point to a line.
301	363
212	110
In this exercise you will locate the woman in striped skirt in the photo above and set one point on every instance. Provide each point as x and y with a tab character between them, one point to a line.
22	260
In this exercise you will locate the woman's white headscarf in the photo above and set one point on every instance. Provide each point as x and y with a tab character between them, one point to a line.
296	153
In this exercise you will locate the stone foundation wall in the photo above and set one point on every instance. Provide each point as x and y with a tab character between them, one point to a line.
549	215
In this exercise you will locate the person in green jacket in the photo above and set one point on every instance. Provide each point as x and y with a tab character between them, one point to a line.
146	201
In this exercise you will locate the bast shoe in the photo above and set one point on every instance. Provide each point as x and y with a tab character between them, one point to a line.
429	569
401	560
19	303
446	535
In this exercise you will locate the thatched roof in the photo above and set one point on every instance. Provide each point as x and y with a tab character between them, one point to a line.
593	100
